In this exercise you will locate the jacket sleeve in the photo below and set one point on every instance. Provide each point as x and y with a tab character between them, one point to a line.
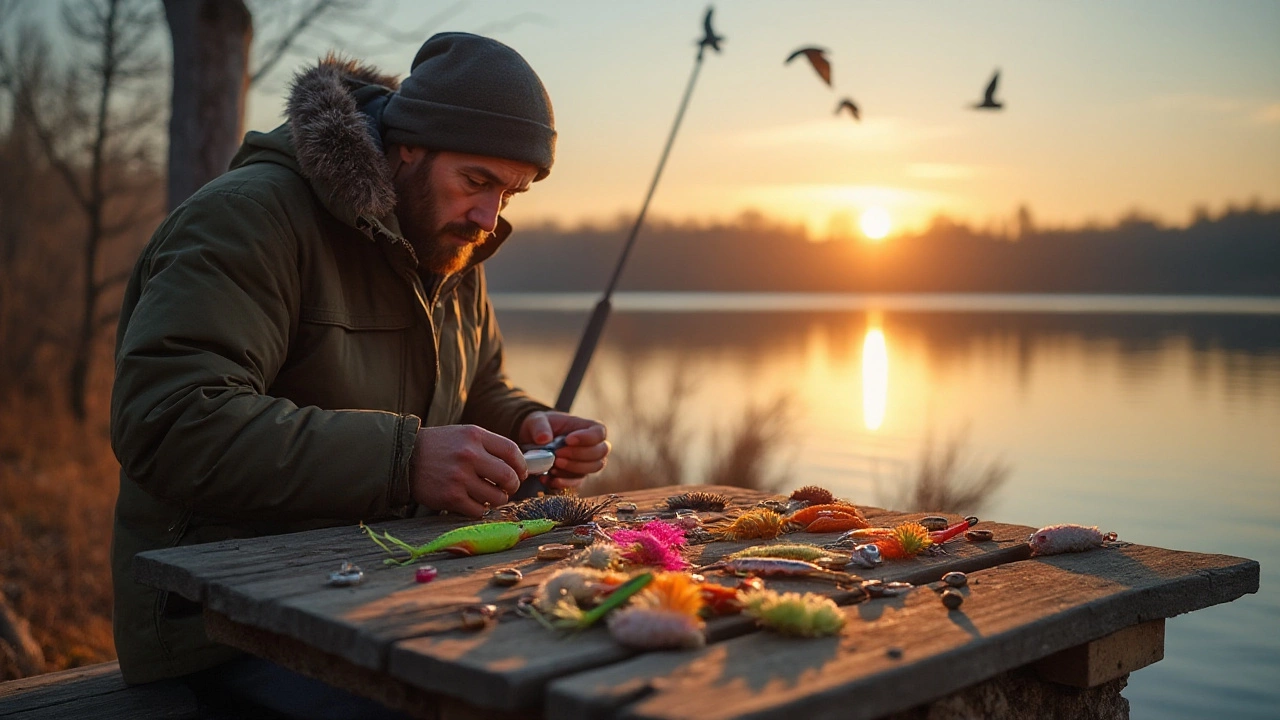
493	402
214	304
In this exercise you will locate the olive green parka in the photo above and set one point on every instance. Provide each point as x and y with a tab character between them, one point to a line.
277	354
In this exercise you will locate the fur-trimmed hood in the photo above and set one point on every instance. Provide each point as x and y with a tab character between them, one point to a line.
336	144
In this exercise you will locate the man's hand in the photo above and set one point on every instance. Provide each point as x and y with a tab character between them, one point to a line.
464	469
584	448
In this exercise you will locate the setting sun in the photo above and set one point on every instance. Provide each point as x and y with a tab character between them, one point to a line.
875	222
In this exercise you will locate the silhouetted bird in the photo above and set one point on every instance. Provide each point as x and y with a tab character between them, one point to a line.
710	38
989	100
853	109
817	58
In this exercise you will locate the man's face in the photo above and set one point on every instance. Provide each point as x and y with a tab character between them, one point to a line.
448	203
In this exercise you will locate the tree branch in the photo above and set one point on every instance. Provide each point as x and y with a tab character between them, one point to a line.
282	45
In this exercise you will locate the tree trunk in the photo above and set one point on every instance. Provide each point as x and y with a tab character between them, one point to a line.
211	41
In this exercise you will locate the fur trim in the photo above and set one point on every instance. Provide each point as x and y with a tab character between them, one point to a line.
331	136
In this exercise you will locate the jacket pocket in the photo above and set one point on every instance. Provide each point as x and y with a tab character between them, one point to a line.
339	359
356	321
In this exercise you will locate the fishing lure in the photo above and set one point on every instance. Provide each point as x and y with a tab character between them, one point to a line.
835	523
564	509
580	585
792	551
719	599
909	539
565	614
861	535
806	615
601	556
940	536
655	543
813	495
698	500
1066	538
754	524
479	539
779	567
849	517
665	614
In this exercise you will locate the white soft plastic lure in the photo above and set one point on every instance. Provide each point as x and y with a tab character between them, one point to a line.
1066	538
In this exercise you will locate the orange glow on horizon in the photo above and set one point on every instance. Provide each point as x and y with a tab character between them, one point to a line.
875	223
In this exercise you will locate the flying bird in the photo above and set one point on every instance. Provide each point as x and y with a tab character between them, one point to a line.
853	109
989	100
817	58
710	39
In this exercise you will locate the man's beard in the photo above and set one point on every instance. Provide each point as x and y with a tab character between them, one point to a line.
438	250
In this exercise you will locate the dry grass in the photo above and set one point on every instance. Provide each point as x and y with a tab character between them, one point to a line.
944	480
658	447
57	491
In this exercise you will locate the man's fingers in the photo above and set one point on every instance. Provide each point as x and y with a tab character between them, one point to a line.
593	434
589	453
539	428
486	494
504	465
499	472
469	507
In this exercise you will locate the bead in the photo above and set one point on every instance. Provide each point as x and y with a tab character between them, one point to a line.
554	551
934	522
506	577
426	574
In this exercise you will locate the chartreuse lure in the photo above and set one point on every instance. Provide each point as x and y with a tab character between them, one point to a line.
479	539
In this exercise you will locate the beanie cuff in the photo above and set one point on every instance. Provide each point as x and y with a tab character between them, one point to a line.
468	130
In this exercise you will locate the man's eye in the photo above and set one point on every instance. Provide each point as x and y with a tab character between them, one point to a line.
474	182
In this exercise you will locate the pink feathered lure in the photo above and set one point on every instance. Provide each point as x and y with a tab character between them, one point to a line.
1056	539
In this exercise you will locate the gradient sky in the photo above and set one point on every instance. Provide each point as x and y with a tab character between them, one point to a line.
1110	106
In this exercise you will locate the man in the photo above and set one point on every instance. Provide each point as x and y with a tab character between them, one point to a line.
308	341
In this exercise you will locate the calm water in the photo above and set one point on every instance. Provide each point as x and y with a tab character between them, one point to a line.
1158	418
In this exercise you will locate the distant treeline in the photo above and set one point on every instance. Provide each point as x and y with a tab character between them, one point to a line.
1236	253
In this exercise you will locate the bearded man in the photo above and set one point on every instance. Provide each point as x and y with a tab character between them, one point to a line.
308	341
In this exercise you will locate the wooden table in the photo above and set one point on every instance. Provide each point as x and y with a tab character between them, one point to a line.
1083	619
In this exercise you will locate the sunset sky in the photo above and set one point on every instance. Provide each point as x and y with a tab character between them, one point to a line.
1110	106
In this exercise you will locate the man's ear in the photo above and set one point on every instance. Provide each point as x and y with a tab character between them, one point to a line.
410	154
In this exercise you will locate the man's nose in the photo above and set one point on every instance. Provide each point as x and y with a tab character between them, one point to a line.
485	212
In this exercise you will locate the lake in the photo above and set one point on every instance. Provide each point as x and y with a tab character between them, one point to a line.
1155	417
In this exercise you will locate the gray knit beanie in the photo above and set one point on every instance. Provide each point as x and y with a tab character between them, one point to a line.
471	94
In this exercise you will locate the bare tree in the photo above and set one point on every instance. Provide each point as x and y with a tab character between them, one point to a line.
211	40
216	60
97	134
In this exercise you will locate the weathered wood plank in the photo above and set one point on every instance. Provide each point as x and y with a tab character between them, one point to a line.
1105	659
97	692
509	666
278	585
187	570
1013	614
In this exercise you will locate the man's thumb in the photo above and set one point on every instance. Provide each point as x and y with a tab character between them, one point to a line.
540	428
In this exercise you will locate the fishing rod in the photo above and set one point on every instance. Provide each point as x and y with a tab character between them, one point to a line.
595	325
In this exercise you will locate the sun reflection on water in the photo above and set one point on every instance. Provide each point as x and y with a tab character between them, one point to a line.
875	377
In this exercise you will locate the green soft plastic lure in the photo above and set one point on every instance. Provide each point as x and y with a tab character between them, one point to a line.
479	539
